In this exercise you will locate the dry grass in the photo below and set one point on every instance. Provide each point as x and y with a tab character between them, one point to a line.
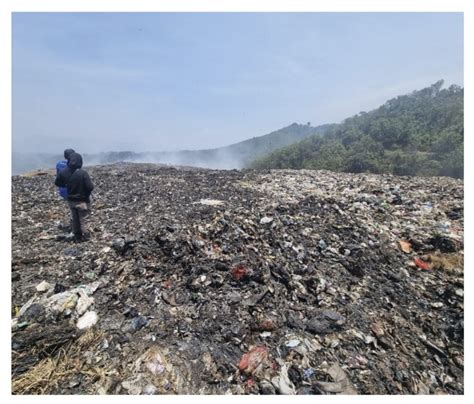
47	375
37	173
450	263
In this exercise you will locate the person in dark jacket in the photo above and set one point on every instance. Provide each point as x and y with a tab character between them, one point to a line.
79	188
63	190
59	166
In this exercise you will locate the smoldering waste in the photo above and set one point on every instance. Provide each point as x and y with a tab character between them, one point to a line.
276	282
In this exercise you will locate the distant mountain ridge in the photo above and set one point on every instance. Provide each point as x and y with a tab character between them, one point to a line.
237	155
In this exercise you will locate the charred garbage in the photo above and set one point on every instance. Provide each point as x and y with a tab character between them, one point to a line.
245	282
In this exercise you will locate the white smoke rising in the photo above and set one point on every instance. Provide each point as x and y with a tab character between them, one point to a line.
213	159
234	156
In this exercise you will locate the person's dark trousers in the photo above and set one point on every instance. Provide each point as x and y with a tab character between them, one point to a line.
65	225
79	211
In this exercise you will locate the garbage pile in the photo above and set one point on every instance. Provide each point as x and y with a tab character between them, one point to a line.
239	282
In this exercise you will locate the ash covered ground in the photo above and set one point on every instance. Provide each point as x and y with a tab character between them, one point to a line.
245	282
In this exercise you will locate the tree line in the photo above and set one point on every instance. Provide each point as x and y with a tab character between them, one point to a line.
421	133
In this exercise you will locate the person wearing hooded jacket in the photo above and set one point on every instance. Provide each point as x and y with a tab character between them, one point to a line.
59	166
79	188
63	190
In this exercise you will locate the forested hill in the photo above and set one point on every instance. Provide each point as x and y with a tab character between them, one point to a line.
249	149
237	155
421	133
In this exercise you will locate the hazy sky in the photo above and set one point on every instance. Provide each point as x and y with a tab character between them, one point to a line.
158	81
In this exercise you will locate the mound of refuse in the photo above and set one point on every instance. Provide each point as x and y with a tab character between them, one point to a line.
201	281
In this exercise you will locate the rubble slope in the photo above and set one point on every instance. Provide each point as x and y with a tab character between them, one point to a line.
267	282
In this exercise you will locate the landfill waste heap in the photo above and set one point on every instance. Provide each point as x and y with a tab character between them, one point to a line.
202	281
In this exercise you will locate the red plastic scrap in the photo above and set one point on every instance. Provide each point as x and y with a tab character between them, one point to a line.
421	264
239	272
252	359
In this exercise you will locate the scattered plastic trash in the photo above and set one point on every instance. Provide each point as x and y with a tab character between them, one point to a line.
43	287
83	303
405	246
292	343
421	264
251	360
283	383
239	272
340	384
174	296
87	320
211	202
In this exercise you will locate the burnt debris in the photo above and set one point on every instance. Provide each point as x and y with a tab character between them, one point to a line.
201	281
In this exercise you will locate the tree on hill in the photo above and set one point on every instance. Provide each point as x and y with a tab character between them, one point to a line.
421	133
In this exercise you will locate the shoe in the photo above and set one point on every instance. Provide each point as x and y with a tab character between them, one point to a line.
65	237
81	238
64	227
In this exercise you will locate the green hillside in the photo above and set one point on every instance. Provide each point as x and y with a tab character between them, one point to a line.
237	155
249	149
421	133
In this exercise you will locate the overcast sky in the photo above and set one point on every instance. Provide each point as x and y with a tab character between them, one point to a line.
158	81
